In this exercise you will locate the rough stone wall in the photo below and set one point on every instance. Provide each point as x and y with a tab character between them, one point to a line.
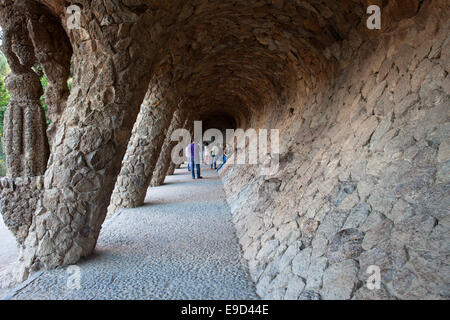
364	175
19	197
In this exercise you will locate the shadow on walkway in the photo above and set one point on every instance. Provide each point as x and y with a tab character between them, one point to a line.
180	245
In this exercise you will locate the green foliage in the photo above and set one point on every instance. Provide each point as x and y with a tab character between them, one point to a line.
44	84
4	99
4	70
4	94
69	84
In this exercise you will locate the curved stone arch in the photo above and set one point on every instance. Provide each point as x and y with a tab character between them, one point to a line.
131	186
361	112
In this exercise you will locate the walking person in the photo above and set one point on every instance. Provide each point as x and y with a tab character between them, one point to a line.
226	154
214	156
194	155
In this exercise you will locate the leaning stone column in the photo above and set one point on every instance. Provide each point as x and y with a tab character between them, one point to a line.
25	142
165	160
26	149
143	151
171	169
91	139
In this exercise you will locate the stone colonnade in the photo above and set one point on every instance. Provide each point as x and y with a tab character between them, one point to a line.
159	111
362	114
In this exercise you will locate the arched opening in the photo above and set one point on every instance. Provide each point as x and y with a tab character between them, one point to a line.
219	120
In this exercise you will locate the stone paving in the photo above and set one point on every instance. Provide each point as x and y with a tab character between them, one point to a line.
180	245
8	257
8	250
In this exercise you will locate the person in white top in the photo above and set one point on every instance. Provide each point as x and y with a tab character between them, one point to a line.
194	155
187	153
215	154
226	154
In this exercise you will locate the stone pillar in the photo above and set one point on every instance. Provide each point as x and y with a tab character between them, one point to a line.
18	198
189	125
138	165
173	166
89	144
171	169
165	160
25	143
54	52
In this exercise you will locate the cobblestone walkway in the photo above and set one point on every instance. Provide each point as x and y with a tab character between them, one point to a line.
181	245
8	250
8	257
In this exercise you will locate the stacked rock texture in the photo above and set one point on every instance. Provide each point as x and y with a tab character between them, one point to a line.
363	179
363	118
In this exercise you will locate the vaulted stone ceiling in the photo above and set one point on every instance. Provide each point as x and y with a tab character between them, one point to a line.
239	55
362	117
242	55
